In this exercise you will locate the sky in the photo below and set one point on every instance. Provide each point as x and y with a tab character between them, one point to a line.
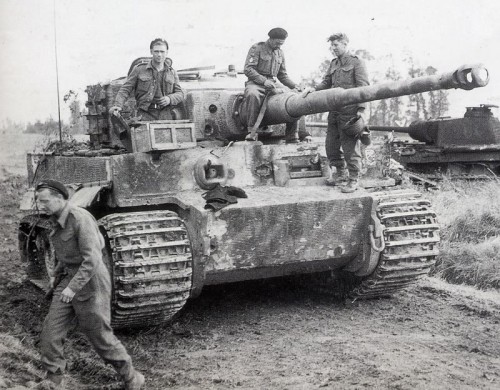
98	39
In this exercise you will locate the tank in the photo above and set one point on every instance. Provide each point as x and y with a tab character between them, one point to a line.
146	184
467	147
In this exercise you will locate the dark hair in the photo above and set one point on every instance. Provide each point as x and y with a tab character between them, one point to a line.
158	41
338	37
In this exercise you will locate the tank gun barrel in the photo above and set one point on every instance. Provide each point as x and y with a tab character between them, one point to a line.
396	129
287	107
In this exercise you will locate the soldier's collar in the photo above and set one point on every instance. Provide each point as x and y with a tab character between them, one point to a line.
268	46
344	56
63	218
166	65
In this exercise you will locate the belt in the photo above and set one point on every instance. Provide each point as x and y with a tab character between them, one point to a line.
154	106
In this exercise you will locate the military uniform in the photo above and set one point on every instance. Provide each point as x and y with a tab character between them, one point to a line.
149	86
263	63
348	71
78	248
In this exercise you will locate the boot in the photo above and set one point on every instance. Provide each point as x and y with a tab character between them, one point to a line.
352	185
338	178
136	382
252	137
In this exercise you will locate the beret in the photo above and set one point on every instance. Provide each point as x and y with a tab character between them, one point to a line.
278	33
53	185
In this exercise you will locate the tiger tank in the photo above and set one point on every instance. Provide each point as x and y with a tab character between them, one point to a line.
147	184
460	148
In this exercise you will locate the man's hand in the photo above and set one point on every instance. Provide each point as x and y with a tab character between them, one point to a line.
307	91
269	85
164	101
67	295
115	110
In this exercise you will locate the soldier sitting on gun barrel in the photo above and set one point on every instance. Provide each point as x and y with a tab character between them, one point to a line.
264	65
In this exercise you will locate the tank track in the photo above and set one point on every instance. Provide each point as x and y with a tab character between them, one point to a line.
150	264
411	237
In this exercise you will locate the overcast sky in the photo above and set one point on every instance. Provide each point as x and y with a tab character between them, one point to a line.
98	39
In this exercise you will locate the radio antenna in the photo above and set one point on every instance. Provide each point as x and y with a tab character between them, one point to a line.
57	75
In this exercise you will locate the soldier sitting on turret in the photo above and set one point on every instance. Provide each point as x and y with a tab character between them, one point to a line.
264	64
156	86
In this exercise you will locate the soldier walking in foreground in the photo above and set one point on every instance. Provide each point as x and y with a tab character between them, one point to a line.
265	64
83	291
346	126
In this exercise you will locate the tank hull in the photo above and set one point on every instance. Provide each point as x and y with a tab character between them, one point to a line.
164	245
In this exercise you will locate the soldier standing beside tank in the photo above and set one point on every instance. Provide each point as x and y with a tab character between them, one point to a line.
83	291
342	143
264	64
156	86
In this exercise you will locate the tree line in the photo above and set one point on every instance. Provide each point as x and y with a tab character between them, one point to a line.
77	123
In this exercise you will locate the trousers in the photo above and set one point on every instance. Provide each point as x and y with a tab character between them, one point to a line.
342	150
93	316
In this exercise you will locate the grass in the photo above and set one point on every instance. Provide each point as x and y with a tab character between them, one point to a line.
469	216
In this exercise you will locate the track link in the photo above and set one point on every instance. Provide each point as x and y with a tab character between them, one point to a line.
411	237
150	264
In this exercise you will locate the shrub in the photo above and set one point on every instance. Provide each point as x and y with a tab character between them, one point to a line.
469	217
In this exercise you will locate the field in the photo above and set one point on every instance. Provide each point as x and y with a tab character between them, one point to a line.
275	334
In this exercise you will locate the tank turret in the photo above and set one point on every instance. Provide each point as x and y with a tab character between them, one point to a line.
215	104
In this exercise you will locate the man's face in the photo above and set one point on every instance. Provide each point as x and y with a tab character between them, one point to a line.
276	43
49	203
159	53
338	48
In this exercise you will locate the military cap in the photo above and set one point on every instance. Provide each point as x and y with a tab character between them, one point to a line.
278	33
53	185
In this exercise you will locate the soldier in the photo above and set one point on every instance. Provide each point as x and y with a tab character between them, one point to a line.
156	86
264	64
83	291
346	71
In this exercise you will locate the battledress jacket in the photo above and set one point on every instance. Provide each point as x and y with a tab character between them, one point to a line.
263	63
349	71
78	245
142	80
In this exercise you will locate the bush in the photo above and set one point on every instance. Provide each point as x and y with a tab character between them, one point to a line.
469	217
473	264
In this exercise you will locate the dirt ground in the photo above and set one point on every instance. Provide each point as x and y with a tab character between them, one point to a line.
270	334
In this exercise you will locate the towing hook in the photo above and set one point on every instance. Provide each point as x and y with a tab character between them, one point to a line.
373	239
